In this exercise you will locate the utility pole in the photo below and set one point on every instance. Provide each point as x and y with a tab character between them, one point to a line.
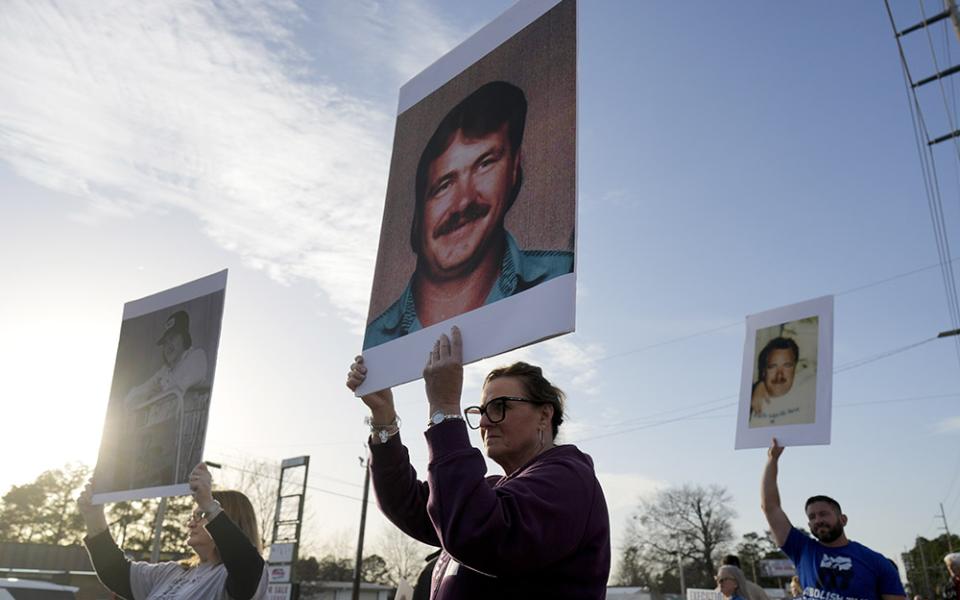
926	574
363	522
943	516
158	531
683	584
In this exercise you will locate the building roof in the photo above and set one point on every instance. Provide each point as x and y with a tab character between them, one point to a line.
43	557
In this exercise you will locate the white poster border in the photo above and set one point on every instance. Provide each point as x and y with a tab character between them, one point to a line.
542	312
816	433
478	45
551	305
176	295
203	286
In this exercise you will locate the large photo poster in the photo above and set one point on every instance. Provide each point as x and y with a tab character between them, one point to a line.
479	223
787	376
156	419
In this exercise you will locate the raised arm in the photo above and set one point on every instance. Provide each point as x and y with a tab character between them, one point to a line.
243	563
240	557
112	567
770	496
401	496
527	521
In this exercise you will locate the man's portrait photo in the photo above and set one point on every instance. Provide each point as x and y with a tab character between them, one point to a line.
160	398
480	209
784	389
786	381
468	177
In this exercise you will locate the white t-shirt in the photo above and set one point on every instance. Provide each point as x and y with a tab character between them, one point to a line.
189	371
796	407
170	581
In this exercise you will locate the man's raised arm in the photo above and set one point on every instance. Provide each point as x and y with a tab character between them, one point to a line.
770	496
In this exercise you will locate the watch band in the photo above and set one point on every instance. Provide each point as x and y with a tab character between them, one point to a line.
383	432
211	510
439	417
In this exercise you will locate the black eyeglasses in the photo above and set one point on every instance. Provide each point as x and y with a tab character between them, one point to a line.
495	410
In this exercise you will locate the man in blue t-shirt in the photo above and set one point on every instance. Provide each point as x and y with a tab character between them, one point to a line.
830	567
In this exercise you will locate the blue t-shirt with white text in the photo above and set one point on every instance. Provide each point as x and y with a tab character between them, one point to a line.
851	572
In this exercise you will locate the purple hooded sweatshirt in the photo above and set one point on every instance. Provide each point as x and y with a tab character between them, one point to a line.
540	532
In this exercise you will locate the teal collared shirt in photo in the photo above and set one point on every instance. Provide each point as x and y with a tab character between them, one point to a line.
520	270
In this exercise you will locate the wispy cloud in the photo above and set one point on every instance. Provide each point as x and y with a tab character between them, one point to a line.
948	425
139	108
403	36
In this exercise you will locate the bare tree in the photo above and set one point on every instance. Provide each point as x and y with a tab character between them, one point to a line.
258	480
691	522
403	554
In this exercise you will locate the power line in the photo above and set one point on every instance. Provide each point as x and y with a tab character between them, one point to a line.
271	461
876	357
930	179
953	481
849	366
277	479
739	322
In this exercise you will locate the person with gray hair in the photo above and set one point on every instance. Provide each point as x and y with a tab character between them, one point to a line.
951	591
733	584
756	592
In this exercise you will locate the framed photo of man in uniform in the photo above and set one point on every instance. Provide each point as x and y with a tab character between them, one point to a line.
787	377
156	421
479	222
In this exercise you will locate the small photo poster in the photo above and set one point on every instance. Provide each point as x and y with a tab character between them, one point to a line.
156	421
479	222
787	376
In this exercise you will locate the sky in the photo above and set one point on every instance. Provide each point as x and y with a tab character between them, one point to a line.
733	157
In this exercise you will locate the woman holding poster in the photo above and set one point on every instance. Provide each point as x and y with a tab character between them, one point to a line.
222	531
540	530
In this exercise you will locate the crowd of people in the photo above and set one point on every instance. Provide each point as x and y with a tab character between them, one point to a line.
538	530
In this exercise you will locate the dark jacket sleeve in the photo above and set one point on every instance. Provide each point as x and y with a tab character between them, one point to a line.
401	497
112	567
524	523
243	563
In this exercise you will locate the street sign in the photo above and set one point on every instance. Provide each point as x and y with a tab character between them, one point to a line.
281	553
279	591
701	594
278	573
777	567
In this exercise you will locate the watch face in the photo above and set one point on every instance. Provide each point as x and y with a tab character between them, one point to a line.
383	436
437	418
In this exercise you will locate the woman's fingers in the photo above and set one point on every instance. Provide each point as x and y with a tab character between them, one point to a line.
456	349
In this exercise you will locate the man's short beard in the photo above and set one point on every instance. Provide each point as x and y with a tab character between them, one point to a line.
832	535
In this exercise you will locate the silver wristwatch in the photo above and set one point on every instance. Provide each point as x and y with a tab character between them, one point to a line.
439	417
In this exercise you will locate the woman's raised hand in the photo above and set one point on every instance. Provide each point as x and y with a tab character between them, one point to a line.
201	485
443	373
93	516
380	403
